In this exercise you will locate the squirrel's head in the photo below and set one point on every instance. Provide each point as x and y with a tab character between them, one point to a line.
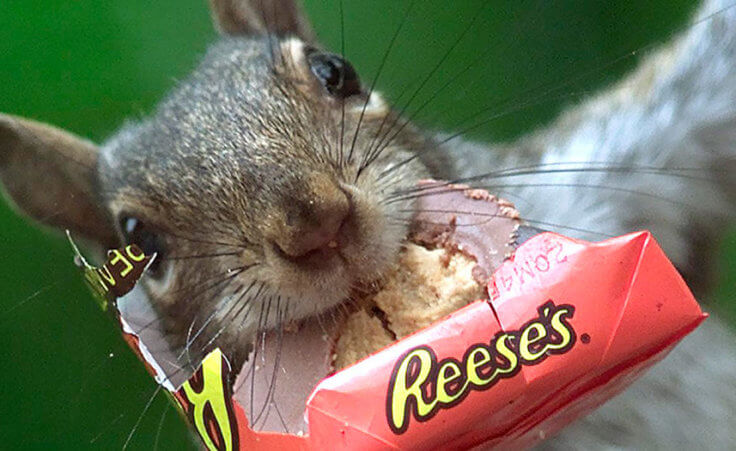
270	177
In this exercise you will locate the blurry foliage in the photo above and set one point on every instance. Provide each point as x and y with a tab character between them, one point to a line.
67	380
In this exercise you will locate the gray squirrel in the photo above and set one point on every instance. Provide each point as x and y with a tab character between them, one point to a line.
269	175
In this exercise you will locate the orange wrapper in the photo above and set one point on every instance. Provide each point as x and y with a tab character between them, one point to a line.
568	324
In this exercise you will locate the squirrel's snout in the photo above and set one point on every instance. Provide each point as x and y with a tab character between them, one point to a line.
312	224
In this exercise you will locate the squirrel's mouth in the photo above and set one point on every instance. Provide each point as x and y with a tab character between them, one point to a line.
357	252
320	259
328	254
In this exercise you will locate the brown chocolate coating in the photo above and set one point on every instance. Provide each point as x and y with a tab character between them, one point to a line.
472	221
287	367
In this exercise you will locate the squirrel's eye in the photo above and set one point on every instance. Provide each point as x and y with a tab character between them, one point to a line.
335	73
150	242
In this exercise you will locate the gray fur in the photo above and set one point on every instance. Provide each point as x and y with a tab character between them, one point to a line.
677	110
687	401
253	132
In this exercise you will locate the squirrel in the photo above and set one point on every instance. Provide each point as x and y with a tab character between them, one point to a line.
269	176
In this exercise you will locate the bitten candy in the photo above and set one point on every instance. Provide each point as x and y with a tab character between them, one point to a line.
458	237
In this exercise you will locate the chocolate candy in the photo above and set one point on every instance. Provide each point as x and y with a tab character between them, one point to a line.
458	238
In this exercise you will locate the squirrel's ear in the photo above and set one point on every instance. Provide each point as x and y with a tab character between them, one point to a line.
279	17
49	175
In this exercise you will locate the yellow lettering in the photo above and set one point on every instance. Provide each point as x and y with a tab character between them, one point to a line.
99	289
130	250
505	351
410	381
474	363
402	392
212	398
449	371
118	257
526	341
560	328
106	276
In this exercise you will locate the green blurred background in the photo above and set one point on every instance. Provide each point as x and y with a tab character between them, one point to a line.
67	380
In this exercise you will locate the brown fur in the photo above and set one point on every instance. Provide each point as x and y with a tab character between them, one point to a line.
243	160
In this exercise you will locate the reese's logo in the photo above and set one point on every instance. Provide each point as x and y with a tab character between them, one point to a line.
207	401
117	276
420	385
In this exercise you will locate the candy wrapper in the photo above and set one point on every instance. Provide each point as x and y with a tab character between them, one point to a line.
566	325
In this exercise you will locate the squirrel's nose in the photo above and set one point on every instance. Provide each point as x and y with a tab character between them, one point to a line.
312	222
